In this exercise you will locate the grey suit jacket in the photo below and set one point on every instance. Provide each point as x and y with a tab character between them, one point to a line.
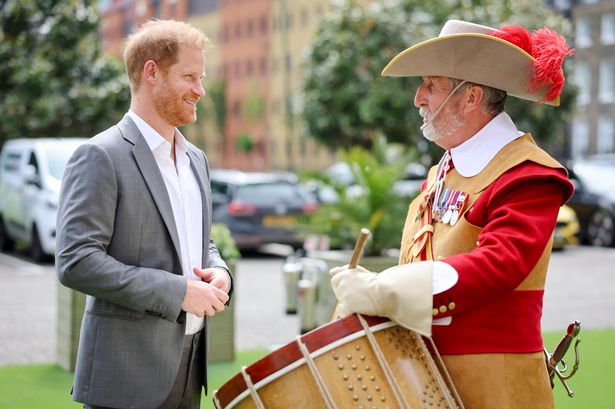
117	242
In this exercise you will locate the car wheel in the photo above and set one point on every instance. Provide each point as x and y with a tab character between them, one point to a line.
36	249
6	243
601	229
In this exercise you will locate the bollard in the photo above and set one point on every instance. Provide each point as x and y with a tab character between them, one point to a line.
307	303
291	269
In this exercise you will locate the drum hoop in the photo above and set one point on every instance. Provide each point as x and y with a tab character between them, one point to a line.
314	354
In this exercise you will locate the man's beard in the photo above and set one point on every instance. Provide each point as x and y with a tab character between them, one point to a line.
169	106
449	123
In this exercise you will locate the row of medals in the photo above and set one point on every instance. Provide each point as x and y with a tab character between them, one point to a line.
450	207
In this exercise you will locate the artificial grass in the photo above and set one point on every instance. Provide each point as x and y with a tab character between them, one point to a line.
47	386
221	372
593	381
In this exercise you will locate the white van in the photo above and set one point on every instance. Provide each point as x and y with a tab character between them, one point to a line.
31	172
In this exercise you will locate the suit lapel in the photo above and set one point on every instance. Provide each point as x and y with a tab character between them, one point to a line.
153	178
202	182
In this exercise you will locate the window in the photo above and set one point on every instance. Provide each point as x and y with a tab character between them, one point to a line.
607	30
271	194
220	194
237	31
127	27
34	162
274	65
562	4
580	137
289	63
237	69
249	68
582	79
201	6
250	27
304	17
606	135
289	21
264	24
57	158
237	108
583	33
224	34
275	106
606	91
156	8
11	162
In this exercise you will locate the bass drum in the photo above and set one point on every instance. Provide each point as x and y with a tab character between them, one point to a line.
354	362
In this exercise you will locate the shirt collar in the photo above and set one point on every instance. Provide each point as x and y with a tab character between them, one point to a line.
473	155
154	139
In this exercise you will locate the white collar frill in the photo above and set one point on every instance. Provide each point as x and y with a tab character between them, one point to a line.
472	156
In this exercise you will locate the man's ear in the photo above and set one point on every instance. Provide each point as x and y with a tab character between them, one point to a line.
150	71
474	99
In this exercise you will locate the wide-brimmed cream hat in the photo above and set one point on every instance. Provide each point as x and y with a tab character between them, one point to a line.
491	57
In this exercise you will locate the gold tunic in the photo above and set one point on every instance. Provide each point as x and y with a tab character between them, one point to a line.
492	380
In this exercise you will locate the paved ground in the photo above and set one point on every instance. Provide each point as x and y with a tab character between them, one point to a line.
581	285
27	312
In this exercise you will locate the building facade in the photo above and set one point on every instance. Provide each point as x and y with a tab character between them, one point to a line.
253	71
593	125
592	130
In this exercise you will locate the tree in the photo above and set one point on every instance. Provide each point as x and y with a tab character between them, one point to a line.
53	78
348	103
372	202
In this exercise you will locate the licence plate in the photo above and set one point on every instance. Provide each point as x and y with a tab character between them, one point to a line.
279	221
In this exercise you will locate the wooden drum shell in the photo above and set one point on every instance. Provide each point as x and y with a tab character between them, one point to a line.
344	369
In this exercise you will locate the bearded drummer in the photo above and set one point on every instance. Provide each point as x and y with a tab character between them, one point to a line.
477	240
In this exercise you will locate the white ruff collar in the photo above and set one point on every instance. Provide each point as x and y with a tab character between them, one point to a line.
473	155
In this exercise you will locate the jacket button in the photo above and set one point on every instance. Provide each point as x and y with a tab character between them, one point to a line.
435	312
443	309
451	305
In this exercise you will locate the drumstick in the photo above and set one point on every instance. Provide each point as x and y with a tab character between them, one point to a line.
359	247
354	260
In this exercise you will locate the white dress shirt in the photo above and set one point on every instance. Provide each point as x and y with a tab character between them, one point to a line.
186	202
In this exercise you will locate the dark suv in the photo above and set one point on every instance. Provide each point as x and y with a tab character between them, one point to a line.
594	198
260	208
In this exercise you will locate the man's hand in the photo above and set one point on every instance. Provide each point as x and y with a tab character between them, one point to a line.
203	298
216	276
402	293
355	291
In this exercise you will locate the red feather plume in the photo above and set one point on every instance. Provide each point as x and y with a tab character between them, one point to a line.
548	49
517	35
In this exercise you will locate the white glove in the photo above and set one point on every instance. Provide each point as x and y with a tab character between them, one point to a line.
345	267
402	293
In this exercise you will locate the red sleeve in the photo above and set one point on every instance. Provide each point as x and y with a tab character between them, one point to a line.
517	214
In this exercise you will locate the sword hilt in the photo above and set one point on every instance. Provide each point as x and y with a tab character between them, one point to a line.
557	358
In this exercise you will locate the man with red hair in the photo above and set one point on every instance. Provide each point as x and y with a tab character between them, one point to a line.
134	224
477	239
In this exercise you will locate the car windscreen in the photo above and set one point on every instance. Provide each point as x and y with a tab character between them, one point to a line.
270	194
57	158
598	176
